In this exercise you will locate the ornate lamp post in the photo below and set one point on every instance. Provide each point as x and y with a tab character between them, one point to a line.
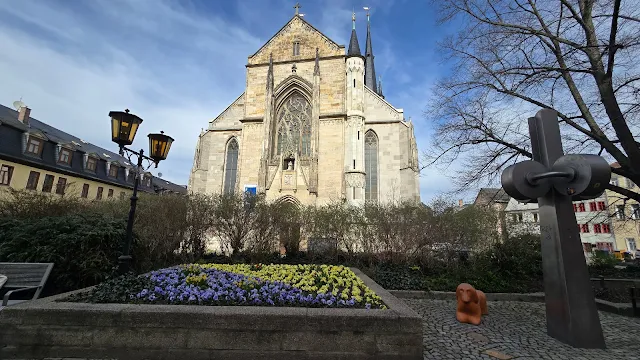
554	180
123	130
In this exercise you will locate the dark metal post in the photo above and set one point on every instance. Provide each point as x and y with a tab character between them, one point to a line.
124	261
572	316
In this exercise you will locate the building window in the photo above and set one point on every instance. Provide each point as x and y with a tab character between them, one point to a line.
34	146
148	181
585	228
85	191
113	170
535	217
294	127
110	193
65	156
61	186
581	207
296	48
47	185
231	166
620	212
631	245
132	176
614	181
122	195
32	182
587	247
575	207
593	206
91	164
371	166
601	206
6	172
99	193
597	228
606	228
605	246
635	211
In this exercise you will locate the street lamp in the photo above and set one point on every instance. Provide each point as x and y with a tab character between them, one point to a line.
123	130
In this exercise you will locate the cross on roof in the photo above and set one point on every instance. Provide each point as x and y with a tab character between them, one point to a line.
297	7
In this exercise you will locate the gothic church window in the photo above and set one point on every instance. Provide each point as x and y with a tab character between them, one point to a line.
371	166
231	167
294	127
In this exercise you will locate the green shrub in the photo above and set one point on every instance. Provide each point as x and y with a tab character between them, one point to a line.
83	247
114	290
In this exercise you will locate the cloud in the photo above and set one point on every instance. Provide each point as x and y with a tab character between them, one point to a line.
174	68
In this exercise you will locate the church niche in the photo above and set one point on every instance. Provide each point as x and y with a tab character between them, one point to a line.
293	128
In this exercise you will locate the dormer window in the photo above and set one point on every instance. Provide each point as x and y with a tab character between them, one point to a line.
92	164
113	171
65	156
34	145
296	48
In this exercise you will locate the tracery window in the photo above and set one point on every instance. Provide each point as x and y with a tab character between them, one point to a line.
294	127
231	167
371	166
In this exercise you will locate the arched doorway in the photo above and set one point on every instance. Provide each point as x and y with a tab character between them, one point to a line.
287	214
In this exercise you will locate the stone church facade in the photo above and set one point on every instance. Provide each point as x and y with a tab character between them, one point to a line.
311	127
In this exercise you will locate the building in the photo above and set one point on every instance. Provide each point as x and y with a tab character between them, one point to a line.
624	214
39	157
592	216
497	199
311	127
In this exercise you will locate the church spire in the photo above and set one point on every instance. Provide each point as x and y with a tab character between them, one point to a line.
354	48
369	67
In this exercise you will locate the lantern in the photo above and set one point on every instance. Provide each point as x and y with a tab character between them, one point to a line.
123	127
159	145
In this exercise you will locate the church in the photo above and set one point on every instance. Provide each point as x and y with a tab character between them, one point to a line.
312	127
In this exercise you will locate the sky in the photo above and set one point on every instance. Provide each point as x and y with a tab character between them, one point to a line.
178	64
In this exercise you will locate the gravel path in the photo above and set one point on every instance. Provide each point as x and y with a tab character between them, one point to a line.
503	335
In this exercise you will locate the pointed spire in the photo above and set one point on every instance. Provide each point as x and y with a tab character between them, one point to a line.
369	67
270	72
316	68
354	48
380	87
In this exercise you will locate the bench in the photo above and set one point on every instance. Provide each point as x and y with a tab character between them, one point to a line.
23	277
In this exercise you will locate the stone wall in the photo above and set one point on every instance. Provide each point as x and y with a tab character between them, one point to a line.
45	328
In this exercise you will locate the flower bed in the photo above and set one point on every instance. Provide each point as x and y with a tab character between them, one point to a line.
247	285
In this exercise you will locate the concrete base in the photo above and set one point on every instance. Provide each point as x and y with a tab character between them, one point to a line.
48	328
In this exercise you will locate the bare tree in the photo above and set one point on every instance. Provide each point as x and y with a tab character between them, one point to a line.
512	57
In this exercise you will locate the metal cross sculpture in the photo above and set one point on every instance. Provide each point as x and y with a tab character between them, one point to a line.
554	180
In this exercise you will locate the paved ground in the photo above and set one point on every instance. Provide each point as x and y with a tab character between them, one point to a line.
515	330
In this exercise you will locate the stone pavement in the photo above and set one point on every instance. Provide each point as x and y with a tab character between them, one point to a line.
515	330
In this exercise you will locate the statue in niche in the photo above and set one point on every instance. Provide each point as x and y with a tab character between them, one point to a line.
290	165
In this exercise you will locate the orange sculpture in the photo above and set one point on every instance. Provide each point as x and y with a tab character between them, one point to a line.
472	304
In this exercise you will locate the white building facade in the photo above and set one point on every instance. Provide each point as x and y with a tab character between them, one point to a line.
592	216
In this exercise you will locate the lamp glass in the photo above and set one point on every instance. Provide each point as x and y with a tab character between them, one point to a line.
159	145
124	127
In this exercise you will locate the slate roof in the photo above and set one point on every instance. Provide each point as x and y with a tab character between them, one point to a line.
8	150
489	195
354	48
370	68
161	186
